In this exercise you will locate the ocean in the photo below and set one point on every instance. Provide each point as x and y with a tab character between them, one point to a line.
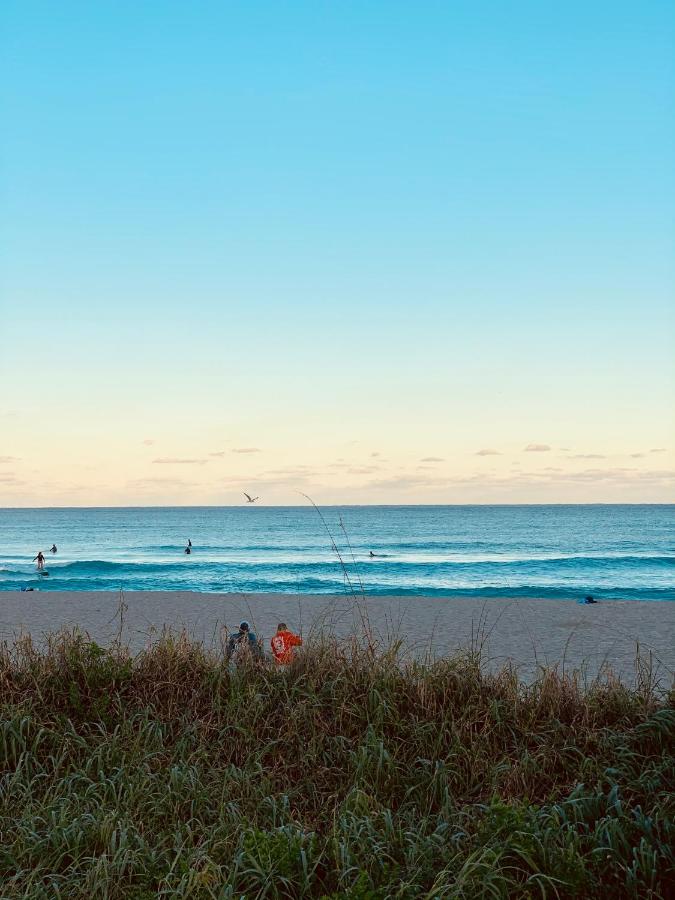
611	552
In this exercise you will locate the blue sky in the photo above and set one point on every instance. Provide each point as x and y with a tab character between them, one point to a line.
331	230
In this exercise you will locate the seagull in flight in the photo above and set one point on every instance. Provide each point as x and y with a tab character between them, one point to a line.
250	499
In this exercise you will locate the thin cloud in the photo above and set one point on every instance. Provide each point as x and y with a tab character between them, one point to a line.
433	459
291	471
487	451
637	455
619	477
178	461
246	450
144	483
9	459
218	453
588	456
402	482
622	475
9	479
537	448
658	450
292	478
149	442
374	455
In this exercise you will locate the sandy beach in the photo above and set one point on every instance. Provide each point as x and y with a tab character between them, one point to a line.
526	632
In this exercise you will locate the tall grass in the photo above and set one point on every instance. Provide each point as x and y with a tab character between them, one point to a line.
352	774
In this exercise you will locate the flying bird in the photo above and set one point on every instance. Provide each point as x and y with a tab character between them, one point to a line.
250	499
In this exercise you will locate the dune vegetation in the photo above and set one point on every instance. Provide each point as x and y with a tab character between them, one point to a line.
351	774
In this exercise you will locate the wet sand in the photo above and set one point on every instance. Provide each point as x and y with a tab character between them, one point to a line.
527	632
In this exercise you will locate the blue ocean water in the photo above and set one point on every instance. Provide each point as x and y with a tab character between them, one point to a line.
543	551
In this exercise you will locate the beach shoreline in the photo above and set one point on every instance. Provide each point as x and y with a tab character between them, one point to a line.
528	633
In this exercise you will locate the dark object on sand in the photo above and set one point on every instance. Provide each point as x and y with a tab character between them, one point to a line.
589	599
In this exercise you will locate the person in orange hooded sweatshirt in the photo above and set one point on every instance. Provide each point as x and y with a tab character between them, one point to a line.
283	643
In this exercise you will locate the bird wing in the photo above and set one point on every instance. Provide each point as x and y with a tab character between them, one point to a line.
248	497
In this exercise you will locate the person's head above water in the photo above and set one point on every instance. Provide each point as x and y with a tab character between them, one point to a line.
244	626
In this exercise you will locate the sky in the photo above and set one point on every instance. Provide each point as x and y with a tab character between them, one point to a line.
401	252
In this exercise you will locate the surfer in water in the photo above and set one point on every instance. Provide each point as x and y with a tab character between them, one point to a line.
40	560
52	549
188	550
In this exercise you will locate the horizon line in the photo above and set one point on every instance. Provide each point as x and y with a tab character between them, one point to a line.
333	505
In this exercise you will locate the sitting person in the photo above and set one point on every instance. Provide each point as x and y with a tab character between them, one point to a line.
283	643
243	645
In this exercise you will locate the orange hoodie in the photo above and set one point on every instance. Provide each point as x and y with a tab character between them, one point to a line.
282	646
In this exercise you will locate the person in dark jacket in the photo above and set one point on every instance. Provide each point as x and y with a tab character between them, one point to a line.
244	645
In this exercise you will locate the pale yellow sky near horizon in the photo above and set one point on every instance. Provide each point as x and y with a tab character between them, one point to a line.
177	420
47	461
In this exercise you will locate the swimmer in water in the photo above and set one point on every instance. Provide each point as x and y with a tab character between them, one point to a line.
187	549
53	548
189	542
40	560
371	554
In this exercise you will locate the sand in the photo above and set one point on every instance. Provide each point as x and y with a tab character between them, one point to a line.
526	632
